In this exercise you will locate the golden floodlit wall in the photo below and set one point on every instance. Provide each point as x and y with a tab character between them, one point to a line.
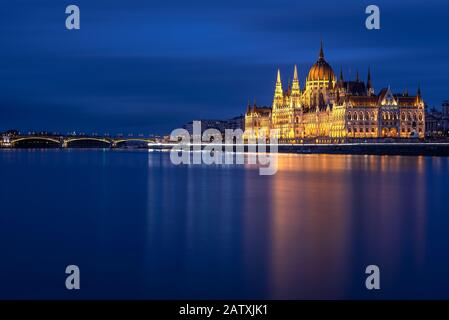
328	107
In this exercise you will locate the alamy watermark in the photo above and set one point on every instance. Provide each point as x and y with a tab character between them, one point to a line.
72	282
372	22
238	147
73	19
373	280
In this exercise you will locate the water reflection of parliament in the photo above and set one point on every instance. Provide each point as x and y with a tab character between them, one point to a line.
332	108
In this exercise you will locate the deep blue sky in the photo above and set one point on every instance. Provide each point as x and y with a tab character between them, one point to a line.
150	66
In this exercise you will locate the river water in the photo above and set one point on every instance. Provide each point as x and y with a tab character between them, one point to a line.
138	226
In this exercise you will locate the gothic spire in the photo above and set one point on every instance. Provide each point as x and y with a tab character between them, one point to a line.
369	85
278	91
321	51
295	84
418	94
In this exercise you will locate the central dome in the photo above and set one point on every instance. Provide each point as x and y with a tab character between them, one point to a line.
321	70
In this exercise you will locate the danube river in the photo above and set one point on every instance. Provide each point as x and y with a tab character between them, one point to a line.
138	226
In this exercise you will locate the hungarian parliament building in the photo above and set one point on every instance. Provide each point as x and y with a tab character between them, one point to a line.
334	110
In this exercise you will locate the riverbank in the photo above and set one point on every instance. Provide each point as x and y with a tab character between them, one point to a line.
409	149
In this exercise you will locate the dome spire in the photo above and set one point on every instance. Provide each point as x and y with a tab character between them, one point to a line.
320	69
321	51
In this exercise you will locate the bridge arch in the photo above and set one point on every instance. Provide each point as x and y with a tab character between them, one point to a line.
120	141
102	140
47	139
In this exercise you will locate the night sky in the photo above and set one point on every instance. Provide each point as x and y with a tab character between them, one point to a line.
150	66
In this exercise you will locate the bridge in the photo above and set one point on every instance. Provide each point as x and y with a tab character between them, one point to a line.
70	141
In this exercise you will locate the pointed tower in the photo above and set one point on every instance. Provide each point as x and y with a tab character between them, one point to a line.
321	56
295	85
418	95
369	85
278	91
340	79
357	79
248	108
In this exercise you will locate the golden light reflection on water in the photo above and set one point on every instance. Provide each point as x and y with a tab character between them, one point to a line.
306	232
325	208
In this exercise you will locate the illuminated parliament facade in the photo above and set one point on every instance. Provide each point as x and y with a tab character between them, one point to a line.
335	109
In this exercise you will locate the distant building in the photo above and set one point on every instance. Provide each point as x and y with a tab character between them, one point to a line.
258	119
236	123
205	124
220	125
437	121
445	107
12	133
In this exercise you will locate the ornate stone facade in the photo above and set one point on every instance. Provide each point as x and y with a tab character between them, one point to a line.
336	109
